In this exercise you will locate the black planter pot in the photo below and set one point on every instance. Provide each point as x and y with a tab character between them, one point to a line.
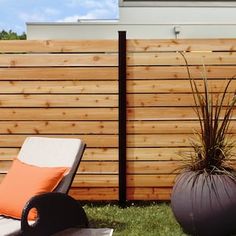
205	205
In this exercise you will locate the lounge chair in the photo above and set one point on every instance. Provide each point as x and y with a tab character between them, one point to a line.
56	211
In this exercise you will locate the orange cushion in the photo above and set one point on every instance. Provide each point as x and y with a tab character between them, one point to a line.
24	181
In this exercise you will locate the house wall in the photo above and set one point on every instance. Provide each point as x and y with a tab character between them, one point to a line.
147	22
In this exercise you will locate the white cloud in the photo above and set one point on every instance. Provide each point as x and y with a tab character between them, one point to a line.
44	14
26	17
70	19
106	9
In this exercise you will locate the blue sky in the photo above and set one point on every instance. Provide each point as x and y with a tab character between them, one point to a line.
14	13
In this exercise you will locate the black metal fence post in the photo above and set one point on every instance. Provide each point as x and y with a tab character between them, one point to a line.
122	118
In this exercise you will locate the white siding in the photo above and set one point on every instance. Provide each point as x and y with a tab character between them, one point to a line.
147	22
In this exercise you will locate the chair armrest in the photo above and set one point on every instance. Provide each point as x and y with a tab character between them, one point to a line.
56	212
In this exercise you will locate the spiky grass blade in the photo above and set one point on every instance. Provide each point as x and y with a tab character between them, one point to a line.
212	147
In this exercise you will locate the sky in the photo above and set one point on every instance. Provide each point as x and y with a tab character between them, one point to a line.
15	13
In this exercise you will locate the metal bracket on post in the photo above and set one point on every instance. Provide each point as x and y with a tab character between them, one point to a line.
122	118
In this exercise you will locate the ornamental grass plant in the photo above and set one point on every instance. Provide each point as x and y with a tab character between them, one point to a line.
213	146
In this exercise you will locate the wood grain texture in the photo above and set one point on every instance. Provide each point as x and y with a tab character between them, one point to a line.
172	100
58	127
176	86
55	60
58	87
26	100
36	114
173	45
94	194
8	154
59	73
149	193
168	127
60	46
175	59
150	180
158	140
102	154
164	113
96	181
156	154
153	167
179	72
91	140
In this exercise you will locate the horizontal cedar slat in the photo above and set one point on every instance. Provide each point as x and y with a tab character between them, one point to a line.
58	127
58	46
164	113
45	60
59	114
83	180
90	114
63	87
58	100
173	86
149	193
165	127
153	167
59	73
193	58
156	154
179	72
159	140
90	140
94	194
165	45
98	167
8	154
111	45
163	100
102	154
150	180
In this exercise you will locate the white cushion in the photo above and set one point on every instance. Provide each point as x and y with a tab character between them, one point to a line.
50	152
9	226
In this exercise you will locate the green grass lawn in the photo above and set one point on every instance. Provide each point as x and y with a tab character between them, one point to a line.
137	219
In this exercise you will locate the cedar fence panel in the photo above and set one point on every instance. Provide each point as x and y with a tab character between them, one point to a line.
160	118
70	89
63	89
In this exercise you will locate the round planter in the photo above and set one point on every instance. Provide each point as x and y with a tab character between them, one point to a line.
205	204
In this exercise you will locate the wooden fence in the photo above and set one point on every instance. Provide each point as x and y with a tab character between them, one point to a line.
70	89
160	116
63	89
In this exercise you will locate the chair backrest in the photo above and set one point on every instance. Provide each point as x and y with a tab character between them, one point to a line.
54	152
